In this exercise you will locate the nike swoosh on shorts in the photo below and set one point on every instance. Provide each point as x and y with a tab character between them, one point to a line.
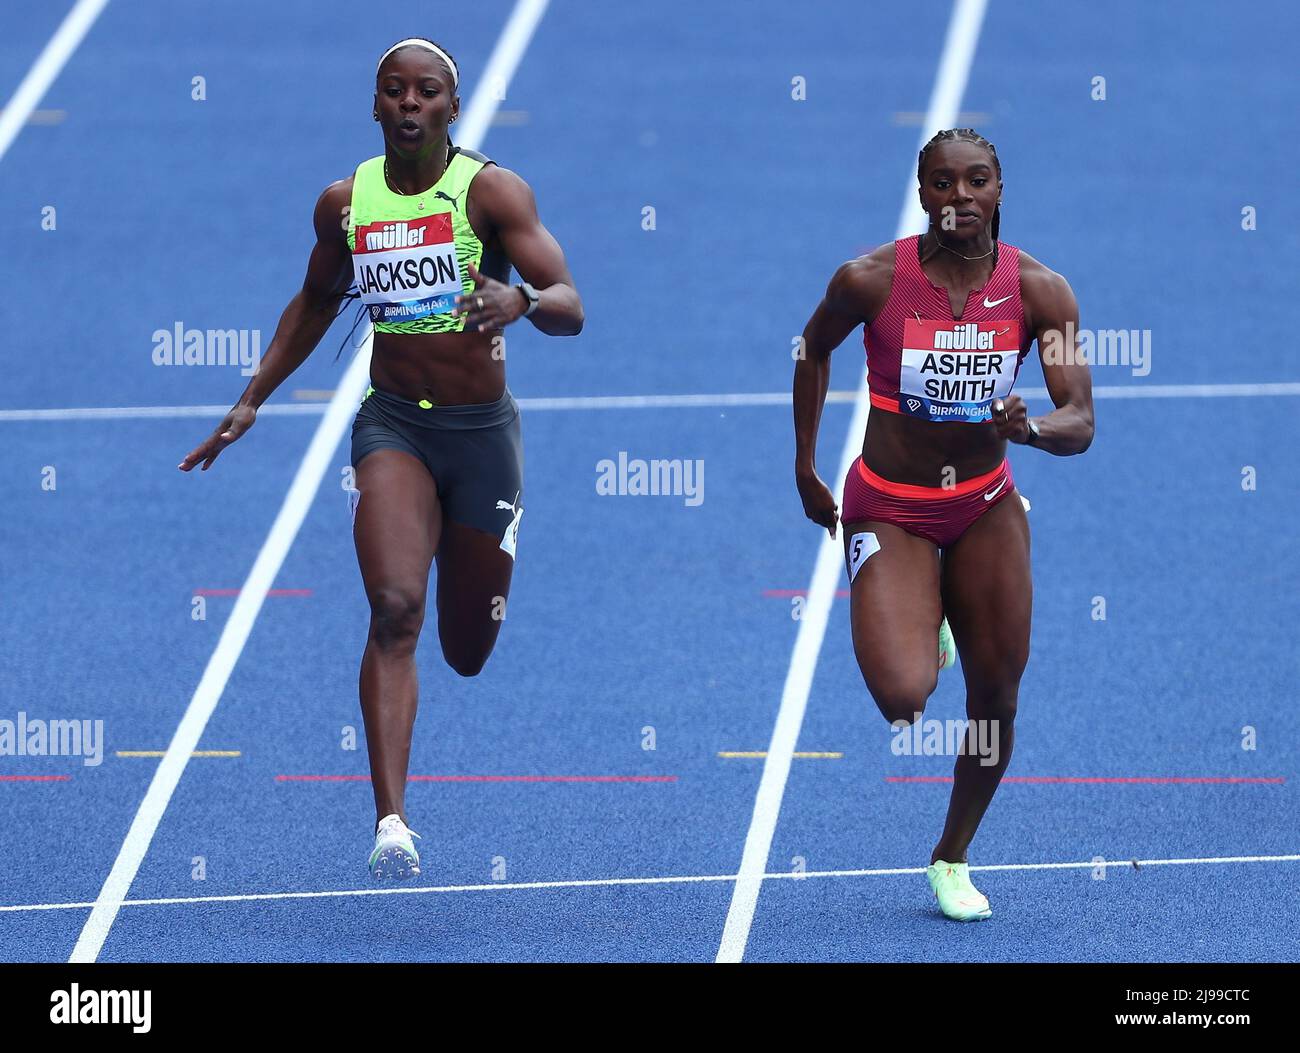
995	491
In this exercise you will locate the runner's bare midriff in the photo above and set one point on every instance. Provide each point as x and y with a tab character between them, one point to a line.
449	369
909	450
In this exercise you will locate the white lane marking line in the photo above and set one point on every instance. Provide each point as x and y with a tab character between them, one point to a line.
279	409
595	402
49	64
525	886
945	101
487	94
505	59
234	635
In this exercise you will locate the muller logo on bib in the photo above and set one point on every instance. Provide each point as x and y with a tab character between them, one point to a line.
954	370
398	235
407	269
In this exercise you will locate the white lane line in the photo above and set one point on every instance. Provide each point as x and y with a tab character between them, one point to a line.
945	102
49	64
487	95
596	402
693	879
216	413
234	635
500	70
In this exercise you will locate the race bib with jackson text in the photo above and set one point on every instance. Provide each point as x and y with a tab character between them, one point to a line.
407	269
954	370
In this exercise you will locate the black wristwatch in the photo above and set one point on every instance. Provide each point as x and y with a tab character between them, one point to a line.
1032	425
530	296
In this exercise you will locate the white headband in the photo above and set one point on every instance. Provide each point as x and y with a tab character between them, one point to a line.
419	42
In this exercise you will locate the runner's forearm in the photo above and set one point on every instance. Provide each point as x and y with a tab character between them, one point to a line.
302	325
1065	431
812	376
559	311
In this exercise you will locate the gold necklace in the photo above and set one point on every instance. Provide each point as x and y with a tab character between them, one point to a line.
402	193
953	251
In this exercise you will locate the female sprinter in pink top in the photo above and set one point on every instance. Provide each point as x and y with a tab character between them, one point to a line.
933	525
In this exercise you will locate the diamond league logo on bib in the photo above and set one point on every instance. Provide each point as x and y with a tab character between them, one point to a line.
952	371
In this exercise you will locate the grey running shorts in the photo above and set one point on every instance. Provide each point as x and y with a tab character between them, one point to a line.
475	454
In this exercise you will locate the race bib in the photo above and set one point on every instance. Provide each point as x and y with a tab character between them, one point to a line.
861	548
407	269
954	370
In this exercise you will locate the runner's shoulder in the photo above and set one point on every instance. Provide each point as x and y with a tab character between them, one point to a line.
1042	289
498	189
332	209
861	286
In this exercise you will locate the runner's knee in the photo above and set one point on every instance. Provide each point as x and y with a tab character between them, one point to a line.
466	663
396	615
903	698
995	702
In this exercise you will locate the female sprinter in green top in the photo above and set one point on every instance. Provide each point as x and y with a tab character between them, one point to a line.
429	232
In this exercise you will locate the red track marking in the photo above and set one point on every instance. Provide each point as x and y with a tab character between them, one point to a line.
1146	780
269	592
788	593
485	778
34	778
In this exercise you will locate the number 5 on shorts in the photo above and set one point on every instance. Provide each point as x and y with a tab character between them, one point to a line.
861	548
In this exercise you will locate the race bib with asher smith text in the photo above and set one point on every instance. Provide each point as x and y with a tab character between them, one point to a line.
954	370
407	268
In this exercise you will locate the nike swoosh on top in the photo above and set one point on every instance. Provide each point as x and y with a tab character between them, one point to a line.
995	491
996	302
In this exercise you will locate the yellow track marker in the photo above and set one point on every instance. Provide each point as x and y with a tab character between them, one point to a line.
196	753
763	753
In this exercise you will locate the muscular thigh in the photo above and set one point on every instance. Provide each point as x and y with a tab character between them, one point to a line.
474	574
895	608
398	522
988	594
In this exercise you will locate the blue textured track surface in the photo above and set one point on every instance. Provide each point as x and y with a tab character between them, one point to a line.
643	612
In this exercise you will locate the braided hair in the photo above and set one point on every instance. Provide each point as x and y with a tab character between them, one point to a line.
965	135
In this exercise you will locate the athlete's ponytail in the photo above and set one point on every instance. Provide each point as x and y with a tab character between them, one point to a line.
965	135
